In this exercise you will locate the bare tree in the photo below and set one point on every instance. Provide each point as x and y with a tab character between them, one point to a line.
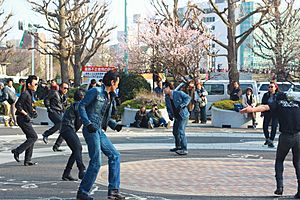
4	29
56	14
229	18
20	60
89	32
278	40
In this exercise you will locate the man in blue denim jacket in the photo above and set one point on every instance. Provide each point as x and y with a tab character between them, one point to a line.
176	102
95	112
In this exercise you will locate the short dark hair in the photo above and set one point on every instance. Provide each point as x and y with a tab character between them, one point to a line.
30	79
9	79
78	94
21	80
111	75
93	81
62	84
168	84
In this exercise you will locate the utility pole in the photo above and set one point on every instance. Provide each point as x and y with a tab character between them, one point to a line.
125	38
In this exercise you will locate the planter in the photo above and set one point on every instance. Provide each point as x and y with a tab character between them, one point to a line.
232	119
42	118
129	115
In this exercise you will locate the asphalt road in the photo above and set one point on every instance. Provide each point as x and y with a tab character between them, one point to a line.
215	167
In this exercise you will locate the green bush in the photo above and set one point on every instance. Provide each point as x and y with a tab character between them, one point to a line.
143	98
130	85
225	104
40	103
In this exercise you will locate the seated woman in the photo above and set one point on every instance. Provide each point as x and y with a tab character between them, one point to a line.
249	99
155	118
141	119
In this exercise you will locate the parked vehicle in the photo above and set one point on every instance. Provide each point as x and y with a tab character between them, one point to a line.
294	90
264	86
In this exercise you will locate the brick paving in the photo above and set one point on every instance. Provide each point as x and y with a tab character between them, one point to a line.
205	177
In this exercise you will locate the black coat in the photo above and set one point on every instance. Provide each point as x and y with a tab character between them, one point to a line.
56	101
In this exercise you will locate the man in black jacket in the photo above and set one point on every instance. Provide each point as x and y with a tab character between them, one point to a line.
288	113
24	114
56	103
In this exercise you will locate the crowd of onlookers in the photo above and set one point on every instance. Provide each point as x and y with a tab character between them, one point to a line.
153	118
10	91
198	106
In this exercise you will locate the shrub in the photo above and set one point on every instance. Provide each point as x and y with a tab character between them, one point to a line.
132	84
40	103
225	104
143	98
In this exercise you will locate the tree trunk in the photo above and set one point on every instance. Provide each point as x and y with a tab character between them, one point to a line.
63	44
233	73
279	67
77	67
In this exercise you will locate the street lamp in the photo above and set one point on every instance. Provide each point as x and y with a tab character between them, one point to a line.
32	29
125	37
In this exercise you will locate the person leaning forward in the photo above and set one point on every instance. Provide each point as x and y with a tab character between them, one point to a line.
177	102
288	113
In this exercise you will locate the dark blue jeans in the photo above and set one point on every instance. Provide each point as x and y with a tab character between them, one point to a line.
285	143
267	118
200	113
179	133
157	123
98	142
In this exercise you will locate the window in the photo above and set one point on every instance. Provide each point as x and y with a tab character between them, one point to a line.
208	10
209	19
296	88
264	87
244	86
214	89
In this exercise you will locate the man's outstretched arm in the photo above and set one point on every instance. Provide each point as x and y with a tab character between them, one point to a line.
261	108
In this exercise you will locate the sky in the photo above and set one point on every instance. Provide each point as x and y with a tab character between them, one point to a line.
21	10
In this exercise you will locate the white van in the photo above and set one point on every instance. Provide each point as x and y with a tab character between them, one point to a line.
218	90
294	90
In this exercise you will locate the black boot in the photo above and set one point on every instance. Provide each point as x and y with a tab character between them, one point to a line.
279	189
297	195
67	175
114	194
83	196
81	174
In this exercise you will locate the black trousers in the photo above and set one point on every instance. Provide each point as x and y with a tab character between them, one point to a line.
31	137
74	143
285	143
56	118
267	118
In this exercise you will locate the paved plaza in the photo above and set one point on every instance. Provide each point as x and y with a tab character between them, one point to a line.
221	164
